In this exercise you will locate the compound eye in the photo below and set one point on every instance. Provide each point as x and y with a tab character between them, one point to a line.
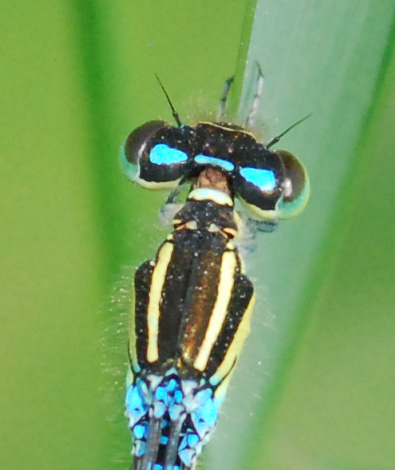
258	182
135	146
296	186
156	155
138	139
259	190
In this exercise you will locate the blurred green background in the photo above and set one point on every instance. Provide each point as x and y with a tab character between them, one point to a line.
315	388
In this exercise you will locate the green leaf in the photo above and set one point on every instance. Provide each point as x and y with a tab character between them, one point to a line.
317	374
76	78
314	388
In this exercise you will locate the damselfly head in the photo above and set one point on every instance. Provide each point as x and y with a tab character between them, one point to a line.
271	184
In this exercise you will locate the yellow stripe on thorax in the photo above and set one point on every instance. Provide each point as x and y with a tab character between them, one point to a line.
157	282
227	273
236	345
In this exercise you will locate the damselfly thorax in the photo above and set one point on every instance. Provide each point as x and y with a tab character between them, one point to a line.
193	303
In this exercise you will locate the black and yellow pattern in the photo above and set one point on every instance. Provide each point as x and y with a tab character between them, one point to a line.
192	313
191	301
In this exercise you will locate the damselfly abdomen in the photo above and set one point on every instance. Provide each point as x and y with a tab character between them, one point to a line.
193	302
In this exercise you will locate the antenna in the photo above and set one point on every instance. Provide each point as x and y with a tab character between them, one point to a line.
276	139
174	112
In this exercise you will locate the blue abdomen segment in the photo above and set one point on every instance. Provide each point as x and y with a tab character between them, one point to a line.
171	419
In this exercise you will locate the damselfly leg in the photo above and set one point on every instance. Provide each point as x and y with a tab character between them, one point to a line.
250	121
224	99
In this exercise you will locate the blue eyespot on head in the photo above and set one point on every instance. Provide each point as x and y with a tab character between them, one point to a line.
265	180
226	165
278	193
152	158
162	154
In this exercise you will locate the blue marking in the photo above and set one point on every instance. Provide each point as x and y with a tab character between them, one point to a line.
206	160
161	394
159	466
162	154
163	440
139	448
159	409
205	417
192	439
173	385
187	456
136	407
265	180
169	397
175	411
139	430
165	424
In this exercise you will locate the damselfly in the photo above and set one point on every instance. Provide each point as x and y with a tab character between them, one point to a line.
193	302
